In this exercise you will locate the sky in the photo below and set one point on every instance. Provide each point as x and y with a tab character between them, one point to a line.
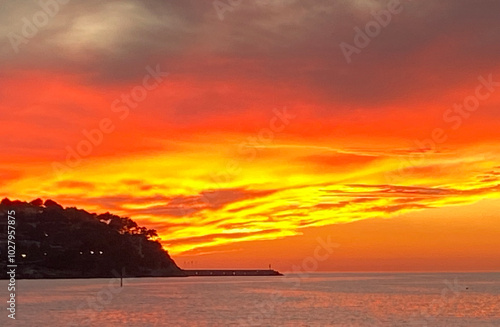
310	135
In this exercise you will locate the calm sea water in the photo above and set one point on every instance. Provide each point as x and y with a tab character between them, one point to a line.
335	299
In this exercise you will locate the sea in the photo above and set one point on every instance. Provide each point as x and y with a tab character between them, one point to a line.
314	299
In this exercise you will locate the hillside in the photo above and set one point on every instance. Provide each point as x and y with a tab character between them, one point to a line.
56	242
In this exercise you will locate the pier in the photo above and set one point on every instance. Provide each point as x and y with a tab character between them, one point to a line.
231	272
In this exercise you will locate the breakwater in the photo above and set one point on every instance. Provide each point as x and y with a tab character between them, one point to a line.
232	272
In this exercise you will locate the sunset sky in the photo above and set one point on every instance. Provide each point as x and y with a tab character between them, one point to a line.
250	134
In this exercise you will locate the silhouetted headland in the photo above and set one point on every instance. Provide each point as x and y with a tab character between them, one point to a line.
56	242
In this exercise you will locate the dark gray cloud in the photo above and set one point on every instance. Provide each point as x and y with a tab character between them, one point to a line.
428	49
